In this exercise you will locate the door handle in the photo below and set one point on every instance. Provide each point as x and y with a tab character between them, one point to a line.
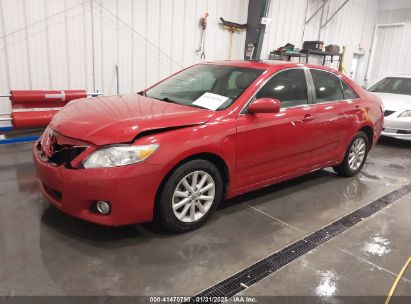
357	108
308	117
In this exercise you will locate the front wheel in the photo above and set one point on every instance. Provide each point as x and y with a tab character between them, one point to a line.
189	196
355	156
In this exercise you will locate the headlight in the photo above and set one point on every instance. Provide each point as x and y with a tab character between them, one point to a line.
405	114
118	155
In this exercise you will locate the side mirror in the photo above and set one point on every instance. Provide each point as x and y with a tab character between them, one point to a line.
264	105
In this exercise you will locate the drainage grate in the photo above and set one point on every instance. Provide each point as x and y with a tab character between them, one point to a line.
263	268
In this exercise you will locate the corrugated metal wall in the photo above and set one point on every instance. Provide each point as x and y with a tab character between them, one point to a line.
393	45
47	44
351	27
287	25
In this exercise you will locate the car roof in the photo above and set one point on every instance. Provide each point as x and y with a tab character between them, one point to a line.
267	64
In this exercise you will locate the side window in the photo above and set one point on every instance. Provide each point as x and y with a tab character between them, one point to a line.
289	87
348	92
327	86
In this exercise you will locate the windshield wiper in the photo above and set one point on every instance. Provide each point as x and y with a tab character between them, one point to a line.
196	106
166	99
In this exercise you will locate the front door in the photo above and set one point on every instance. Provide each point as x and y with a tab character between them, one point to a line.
274	145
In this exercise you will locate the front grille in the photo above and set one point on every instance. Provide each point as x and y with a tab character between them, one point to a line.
58	150
388	112
408	132
65	155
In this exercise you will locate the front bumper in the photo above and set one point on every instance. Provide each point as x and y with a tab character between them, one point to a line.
399	128
131	190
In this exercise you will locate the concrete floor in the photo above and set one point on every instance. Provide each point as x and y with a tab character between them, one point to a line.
363	261
44	252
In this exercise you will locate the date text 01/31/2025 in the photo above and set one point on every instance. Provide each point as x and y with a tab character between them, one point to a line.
203	299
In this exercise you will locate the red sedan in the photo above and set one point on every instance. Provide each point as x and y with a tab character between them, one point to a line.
212	131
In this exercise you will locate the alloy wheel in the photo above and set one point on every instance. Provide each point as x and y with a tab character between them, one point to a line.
357	154
193	196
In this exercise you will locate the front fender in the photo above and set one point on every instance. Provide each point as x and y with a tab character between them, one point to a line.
211	138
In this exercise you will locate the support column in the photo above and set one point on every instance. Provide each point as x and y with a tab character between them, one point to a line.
257	9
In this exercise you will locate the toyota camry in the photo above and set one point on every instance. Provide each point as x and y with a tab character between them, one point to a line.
215	130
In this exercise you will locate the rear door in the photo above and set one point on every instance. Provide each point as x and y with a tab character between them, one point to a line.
337	107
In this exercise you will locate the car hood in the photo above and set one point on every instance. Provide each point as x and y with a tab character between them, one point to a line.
119	119
395	102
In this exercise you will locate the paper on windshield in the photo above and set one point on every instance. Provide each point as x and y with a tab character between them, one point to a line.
210	101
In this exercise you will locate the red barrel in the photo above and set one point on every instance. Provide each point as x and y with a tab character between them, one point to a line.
32	120
29	96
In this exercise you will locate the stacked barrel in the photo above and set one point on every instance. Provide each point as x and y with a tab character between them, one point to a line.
35	109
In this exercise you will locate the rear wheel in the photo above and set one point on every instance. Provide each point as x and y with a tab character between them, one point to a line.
189	196
355	156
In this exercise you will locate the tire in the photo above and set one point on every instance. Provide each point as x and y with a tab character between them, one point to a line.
351	164
174	207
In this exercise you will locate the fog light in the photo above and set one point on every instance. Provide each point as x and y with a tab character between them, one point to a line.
103	207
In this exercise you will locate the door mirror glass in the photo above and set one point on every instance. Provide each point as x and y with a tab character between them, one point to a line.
264	105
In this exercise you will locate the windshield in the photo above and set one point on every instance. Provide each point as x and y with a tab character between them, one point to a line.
394	85
214	87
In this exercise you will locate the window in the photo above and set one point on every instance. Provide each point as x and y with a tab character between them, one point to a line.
393	85
190	82
327	86
289	87
189	85
348	92
232	83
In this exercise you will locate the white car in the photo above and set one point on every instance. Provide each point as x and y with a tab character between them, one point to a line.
395	93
